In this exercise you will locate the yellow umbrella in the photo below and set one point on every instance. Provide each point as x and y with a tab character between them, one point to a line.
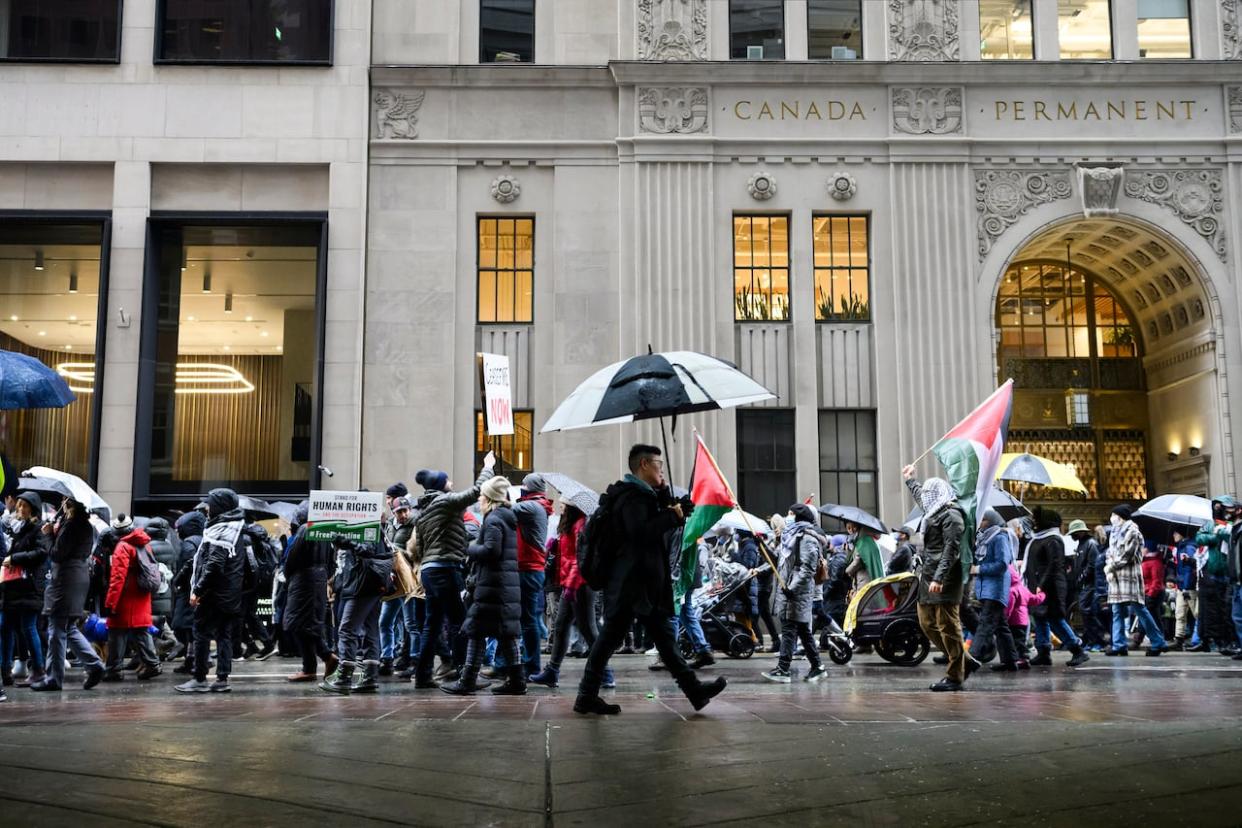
1029	468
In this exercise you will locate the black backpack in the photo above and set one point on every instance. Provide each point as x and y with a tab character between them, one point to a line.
598	544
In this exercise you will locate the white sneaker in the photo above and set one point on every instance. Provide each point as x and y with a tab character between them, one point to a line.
652	651
778	675
193	686
816	674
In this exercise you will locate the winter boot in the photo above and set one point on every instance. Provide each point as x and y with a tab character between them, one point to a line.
401	664
386	667
466	685
594	704
365	681
547	677
339	681
699	693
515	682
1080	656
1043	657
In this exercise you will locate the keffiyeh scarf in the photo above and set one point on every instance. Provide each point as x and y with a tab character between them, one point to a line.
934	495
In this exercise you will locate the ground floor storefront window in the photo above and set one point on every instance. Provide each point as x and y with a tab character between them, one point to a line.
766	463
52	277
847	458
232	355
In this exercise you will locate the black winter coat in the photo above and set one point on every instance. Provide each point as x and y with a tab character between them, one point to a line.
497	607
70	577
1045	569
165	553
747	554
219	572
190	534
361	569
29	550
306	584
640	580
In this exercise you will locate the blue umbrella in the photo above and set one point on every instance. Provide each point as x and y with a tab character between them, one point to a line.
25	382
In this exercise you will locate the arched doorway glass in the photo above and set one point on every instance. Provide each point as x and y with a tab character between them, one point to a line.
1075	354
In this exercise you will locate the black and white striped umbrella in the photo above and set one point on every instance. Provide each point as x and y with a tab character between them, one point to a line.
656	385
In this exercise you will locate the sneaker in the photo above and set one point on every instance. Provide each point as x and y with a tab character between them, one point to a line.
817	673
703	659
93	677
1023	664
653	651
1004	668
626	650
972	664
193	686
112	677
778	675
269	650
610	680
221	686
148	671
656	666
1079	659
45	685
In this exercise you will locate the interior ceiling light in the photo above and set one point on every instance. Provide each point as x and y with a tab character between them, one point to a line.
38	260
191	378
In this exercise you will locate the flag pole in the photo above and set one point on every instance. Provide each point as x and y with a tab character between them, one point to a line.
745	516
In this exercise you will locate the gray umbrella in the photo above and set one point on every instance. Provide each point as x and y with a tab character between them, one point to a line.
852	514
48	489
576	494
256	509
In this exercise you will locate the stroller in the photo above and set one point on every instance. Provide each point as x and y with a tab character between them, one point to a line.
884	613
723	634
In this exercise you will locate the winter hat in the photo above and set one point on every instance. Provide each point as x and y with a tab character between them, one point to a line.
34	501
396	490
838	541
1046	519
432	481
1123	510
401	503
534	483
803	513
497	490
777	522
992	518
1078	526
122	523
220	501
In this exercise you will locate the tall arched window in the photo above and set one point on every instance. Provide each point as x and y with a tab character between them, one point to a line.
1072	348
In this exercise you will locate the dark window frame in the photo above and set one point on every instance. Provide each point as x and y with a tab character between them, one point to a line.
815	269
862	39
120	26
784	35
104	219
788	268
857	469
148	340
159	60
534	37
743	471
478	267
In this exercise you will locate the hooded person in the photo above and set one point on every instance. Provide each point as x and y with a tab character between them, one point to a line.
217	590
307	563
1046	573
993	555
64	602
836	588
1087	559
1217	552
868	565
941	580
796	562
532	510
21	594
189	530
1123	567
128	605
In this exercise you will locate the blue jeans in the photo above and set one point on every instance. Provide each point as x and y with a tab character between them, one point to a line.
532	608
390	612
443	585
1044	630
1122	613
23	623
1237	613
413	612
689	618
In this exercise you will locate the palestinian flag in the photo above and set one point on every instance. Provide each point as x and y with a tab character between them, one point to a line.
713	499
971	454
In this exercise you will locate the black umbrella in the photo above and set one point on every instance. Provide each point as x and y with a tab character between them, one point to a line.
256	509
852	514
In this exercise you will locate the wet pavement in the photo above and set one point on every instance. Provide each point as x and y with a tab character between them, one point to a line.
1114	743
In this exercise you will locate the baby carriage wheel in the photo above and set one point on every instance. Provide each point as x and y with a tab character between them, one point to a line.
840	652
903	644
741	645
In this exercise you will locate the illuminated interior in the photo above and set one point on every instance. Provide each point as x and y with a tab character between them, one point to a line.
1164	29
761	268
1005	31
1085	29
842	290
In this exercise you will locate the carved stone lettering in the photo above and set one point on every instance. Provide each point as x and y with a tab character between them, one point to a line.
396	114
1004	196
923	30
674	109
1195	196
927	110
672	29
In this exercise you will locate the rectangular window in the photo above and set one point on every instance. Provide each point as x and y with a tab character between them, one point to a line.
847	458
236	357
506	31
506	261
1164	29
73	31
51	281
757	29
244	31
515	453
842	272
834	29
761	268
1086	29
1005	31
766	465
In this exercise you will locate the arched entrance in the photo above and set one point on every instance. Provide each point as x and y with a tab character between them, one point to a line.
1105	326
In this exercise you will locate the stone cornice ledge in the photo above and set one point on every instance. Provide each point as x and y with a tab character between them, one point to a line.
1180	350
488	76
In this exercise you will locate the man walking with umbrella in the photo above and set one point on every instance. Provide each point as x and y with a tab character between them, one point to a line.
637	513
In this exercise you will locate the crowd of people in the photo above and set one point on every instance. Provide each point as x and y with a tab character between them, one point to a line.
469	590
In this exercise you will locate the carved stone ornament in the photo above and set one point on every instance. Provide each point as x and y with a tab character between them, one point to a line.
396	115
923	30
842	186
927	110
1099	188
1230	30
1004	196
761	186
1194	196
1235	109
506	189
672	29
672	109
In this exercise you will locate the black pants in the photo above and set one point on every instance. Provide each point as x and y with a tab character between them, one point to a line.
359	630
313	650
970	618
210	623
802	631
765	615
1214	610
993	634
576	610
659	629
1096	623
252	630
445	609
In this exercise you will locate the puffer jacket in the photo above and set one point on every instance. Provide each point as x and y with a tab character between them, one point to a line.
567	556
1124	566
1184	558
532	512
70	576
189	528
219	570
129	606
942	540
1021	599
166	554
442	536
797	560
746	553
362	569
497	607
993	560
1045	570
29	550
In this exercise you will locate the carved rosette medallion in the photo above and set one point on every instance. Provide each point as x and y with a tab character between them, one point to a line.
1004	196
761	186
1195	196
505	189
842	186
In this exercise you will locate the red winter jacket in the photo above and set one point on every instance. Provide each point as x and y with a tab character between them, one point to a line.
532	512
129	606
1153	576
567	556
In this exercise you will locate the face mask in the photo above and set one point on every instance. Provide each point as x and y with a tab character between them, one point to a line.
1115	520
789	518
